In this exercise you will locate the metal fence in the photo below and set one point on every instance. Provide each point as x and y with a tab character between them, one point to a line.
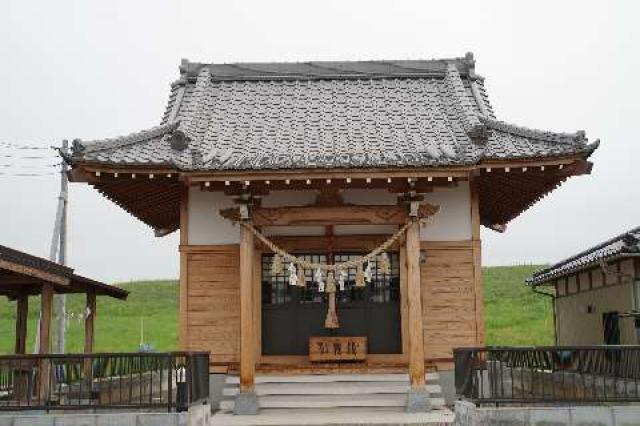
171	381
551	374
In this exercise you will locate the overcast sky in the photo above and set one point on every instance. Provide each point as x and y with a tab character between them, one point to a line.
94	69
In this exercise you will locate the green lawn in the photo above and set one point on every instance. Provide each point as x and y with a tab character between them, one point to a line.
118	323
514	315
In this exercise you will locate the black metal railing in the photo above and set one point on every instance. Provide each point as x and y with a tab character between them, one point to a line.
172	381
551	374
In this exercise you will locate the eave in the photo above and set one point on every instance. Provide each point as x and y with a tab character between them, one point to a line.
507	188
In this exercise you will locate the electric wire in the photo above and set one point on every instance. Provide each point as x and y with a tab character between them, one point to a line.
24	164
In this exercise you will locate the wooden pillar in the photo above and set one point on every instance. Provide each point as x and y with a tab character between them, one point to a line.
46	302
414	299
247	340
477	261
183	311
22	311
89	322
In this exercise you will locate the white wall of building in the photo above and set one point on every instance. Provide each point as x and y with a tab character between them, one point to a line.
206	226
453	222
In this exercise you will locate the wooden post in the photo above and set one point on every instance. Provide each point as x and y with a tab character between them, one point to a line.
247	341
89	336
22	310
46	302
183	311
414	293
89	322
477	261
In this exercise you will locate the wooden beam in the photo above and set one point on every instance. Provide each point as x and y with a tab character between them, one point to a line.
34	272
331	215
22	311
341	215
476	246
89	328
247	336
46	302
414	302
89	333
455	172
183	311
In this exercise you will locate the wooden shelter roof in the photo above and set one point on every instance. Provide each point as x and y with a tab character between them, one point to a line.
23	273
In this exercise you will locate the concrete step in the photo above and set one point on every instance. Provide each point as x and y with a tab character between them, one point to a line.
330	388
331	416
316	378
331	401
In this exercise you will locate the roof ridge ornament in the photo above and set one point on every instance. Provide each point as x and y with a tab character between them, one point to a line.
470	120
80	147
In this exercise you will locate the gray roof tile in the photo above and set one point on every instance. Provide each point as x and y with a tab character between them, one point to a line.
330	115
623	245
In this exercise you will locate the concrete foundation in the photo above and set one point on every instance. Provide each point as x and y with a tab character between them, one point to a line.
246	404
467	414
216	385
418	401
198	415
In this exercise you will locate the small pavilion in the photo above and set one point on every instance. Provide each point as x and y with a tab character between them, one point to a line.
23	275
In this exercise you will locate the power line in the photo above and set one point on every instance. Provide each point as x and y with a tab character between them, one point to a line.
27	157
2	174
17	164
22	146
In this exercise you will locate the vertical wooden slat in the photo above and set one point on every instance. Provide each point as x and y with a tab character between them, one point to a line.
22	311
247	336
416	331
183	329
89	322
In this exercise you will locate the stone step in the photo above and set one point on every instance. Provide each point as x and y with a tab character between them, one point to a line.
331	416
332	401
330	388
316	378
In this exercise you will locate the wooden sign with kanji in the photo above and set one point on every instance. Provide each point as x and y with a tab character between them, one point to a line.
332	349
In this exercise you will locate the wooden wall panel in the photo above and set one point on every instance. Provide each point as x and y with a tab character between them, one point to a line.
213	301
448	299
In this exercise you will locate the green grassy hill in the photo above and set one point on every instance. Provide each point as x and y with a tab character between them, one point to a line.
514	315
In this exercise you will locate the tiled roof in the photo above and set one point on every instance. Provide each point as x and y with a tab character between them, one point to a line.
624	245
329	115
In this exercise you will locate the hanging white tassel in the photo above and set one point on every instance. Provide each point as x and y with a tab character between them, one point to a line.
367	272
384	264
293	274
319	279
342	278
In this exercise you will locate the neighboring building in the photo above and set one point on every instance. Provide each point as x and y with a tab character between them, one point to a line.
328	159
597	293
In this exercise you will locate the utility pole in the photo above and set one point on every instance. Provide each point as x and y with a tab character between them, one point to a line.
58	251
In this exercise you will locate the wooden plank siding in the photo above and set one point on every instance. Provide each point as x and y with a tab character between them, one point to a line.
213	301
448	299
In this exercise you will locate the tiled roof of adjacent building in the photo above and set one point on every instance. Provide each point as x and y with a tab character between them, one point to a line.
624	245
371	114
